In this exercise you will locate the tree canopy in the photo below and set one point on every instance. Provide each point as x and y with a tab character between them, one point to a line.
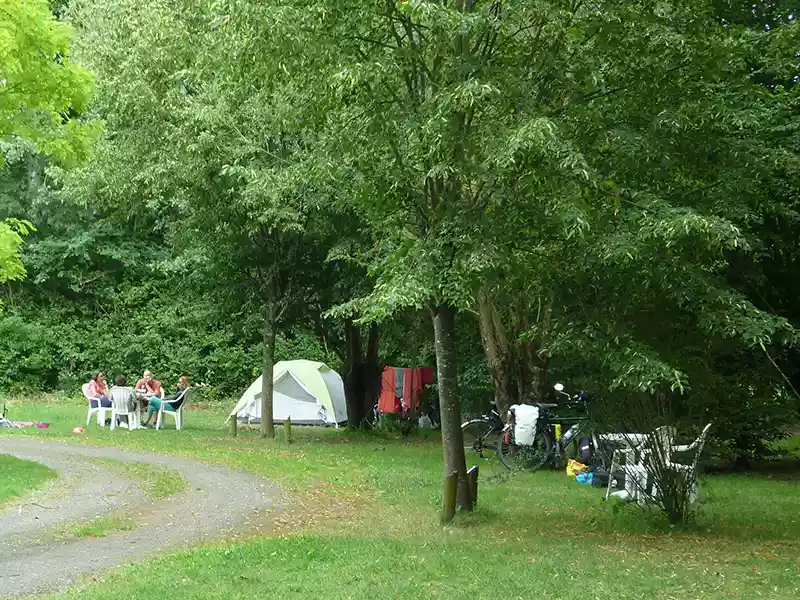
606	192
42	91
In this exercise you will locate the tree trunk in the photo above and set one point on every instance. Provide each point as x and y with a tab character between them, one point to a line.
533	363
372	370
267	371
353	380
498	352
362	374
452	440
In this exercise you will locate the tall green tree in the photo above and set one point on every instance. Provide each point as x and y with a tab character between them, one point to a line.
591	147
11	238
42	90
203	129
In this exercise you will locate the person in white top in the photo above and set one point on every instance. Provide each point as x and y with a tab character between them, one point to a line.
123	399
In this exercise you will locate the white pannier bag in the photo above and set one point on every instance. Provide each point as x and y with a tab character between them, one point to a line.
525	423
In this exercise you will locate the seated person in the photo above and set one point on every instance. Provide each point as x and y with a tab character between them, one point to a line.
149	386
97	392
123	399
173	402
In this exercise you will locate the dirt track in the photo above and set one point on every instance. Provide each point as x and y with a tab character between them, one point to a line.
217	502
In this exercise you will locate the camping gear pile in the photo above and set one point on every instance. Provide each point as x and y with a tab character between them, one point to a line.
305	391
574	468
585	475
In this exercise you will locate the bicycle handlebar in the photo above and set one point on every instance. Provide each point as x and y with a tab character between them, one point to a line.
575	402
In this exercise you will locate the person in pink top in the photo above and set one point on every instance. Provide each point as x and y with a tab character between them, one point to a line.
98	391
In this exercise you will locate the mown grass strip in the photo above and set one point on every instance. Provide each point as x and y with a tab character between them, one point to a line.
95	528
156	481
369	528
18	477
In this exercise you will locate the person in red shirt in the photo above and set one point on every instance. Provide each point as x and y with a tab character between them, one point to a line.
149	386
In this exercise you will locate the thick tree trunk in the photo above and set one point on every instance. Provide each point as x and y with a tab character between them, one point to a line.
362	374
372	370
452	440
532	372
499	354
533	363
353	380
267	372
517	365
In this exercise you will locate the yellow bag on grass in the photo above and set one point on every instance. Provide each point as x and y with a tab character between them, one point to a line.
574	467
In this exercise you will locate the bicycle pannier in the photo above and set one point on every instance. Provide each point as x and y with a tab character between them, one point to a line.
525	418
585	450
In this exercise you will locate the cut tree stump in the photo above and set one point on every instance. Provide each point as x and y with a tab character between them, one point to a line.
449	501
472	475
287	430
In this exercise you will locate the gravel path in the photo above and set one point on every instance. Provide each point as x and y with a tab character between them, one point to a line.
216	502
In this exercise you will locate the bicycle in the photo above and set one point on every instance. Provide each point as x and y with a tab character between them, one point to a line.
477	432
550	443
372	416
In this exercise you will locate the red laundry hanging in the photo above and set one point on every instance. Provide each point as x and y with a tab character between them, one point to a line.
412	388
387	401
411	383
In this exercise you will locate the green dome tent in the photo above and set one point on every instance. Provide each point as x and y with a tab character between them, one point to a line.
308	392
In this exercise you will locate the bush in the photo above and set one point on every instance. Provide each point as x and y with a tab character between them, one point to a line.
28	355
49	351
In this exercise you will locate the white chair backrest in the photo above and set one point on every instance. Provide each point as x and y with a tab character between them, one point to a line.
85	390
182	397
698	445
656	448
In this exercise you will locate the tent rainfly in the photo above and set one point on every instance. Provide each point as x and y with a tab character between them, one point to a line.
308	392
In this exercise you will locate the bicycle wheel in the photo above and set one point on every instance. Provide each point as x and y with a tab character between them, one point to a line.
476	436
371	418
517	457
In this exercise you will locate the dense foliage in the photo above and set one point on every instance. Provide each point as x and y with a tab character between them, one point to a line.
41	94
605	193
42	91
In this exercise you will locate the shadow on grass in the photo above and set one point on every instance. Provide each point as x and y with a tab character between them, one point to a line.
784	469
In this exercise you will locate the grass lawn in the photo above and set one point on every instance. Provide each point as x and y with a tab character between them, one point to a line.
20	476
365	525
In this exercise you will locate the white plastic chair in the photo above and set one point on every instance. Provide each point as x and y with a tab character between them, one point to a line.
638	476
633	455
100	410
690	470
176	414
133	418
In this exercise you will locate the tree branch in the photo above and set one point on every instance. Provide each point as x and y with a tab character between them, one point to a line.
777	368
